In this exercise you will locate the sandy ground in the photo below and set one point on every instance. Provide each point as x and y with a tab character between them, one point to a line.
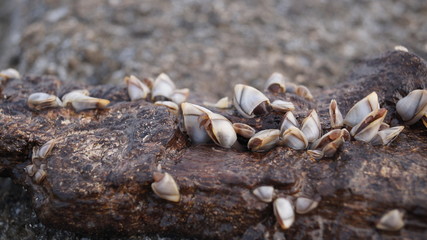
207	46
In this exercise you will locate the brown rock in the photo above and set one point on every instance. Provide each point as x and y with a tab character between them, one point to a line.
100	170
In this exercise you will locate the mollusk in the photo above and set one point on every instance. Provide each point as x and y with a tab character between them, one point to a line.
40	100
311	126
219	129
80	101
361	109
165	187
413	107
284	212
264	193
304	205
386	136
294	138
391	221
250	102
136	88
367	129
244	130
163	88
264	140
276	83
282	106
288	121
337	120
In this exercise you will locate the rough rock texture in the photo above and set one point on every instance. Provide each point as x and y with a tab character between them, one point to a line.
100	170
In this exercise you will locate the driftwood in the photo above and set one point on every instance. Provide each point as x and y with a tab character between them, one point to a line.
100	171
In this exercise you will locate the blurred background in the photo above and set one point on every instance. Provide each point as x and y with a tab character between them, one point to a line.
207	46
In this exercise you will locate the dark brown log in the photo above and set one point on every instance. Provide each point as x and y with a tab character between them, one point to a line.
100	170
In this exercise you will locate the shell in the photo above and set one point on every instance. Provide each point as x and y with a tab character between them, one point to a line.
413	107
264	140
244	130
282	106
276	83
328	144
367	129
80	101
304	92
288	121
264	193
223	103
191	114
171	106
165	187
10	73
136	89
400	48
304	205
31	169
284	212
386	136
180	95
337	120
163	88
391	221
219	129
45	149
40	100
250	102
294	138
311	126
40	175
361	109
291	87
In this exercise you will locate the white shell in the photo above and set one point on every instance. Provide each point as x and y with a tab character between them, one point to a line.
223	103
10	73
171	106
264	140
42	100
284	212
412	107
247	98
282	106
391	221
40	175
367	129
136	89
304	205
337	120
220	130
165	187
288	121
386	136
163	87
244	130
400	48
304	92
264	193
31	169
191	113
311	126
361	109
294	138
180	95
45	149
276	83
80	101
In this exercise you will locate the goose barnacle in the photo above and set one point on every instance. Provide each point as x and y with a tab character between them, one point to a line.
275	83
244	130
386	136
264	193
413	107
284	212
361	109
250	102
10	73
304	92
288	121
171	106
223	103
304	205
191	114
163	88
337	120
180	95
40	100
391	221
294	138
40	175
164	186
264	140
219	129
328	144
44	150
136	88
31	169
367	129
80	101
282	106
311	126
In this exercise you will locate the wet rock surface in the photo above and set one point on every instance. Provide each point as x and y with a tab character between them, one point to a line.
100	170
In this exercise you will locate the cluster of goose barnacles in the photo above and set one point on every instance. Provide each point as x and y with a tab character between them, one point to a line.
365	121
